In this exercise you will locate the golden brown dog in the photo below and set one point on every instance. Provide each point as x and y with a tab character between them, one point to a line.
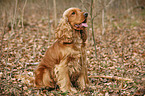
64	63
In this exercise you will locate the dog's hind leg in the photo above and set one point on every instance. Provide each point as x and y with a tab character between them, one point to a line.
42	78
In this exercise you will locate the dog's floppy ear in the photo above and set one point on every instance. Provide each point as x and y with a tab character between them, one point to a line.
64	31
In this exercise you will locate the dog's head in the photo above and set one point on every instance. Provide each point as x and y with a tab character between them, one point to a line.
76	18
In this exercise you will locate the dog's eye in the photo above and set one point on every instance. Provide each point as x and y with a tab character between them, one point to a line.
73	13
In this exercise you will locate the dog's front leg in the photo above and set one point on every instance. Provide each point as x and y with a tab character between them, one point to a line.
83	79
62	77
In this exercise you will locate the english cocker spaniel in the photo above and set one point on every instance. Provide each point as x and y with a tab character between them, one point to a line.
64	63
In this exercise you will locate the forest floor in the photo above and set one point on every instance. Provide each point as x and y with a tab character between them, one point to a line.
118	69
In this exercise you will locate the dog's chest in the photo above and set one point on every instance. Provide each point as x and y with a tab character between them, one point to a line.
74	64
77	40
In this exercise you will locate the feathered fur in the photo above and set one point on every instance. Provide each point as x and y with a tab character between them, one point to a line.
64	63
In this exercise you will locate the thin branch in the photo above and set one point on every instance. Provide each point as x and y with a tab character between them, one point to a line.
92	22
49	23
84	6
55	15
103	24
104	8
113	77
14	18
23	13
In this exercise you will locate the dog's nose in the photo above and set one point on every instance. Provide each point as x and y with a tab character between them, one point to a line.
85	14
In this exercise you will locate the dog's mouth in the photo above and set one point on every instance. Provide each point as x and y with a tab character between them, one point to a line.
83	24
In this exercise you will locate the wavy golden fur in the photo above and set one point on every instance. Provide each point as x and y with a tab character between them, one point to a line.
64	63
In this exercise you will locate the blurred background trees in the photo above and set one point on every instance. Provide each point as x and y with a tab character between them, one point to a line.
40	8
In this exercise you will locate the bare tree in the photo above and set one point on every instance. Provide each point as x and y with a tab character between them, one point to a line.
49	23
23	13
92	26
55	14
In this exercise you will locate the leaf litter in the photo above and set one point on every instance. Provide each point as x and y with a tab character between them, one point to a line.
118	69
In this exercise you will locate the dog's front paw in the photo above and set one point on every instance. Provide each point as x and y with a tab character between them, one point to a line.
73	90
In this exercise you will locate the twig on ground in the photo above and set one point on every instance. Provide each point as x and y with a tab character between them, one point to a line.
113	77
